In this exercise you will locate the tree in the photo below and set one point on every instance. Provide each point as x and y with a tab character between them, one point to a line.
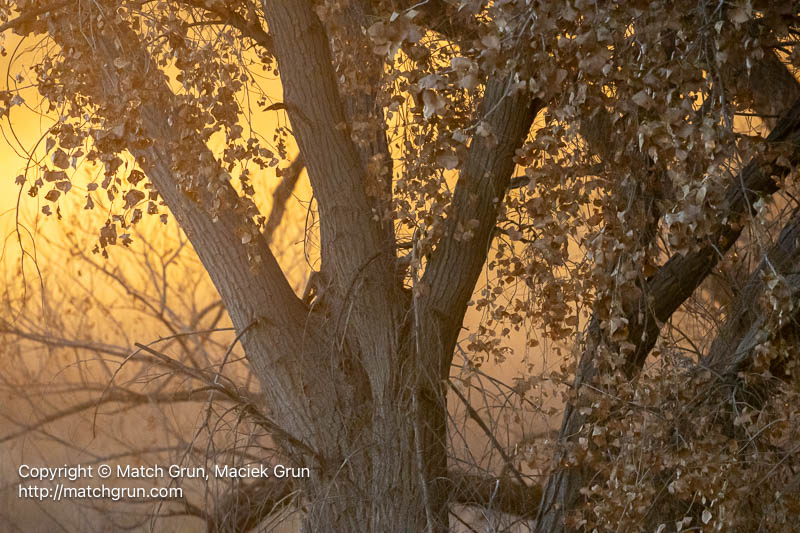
607	164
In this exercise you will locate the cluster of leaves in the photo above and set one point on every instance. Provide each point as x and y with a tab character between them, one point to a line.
634	164
209	69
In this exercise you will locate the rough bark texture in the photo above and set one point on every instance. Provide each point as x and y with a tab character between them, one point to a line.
363	285
750	322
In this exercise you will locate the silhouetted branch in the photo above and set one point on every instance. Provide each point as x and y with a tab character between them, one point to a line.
281	195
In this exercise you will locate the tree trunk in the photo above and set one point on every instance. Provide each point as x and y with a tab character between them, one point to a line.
375	491
355	382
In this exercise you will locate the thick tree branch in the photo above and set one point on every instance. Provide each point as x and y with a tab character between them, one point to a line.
736	381
664	293
442	17
354	254
674	282
247	28
455	266
457	261
767	82
350	236
250	29
32	14
678	278
258	297
353	52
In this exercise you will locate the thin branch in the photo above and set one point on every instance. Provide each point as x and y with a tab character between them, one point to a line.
118	395
253	30
473	414
500	494
32	14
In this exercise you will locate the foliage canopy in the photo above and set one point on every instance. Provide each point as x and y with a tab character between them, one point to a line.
613	182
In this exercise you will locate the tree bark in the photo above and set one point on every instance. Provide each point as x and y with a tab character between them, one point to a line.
455	264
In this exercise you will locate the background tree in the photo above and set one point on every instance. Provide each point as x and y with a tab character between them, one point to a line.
623	174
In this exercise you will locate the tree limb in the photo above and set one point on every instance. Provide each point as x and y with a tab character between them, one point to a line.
674	282
255	292
250	29
678	278
661	296
355	257
32	14
457	261
350	236
442	17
